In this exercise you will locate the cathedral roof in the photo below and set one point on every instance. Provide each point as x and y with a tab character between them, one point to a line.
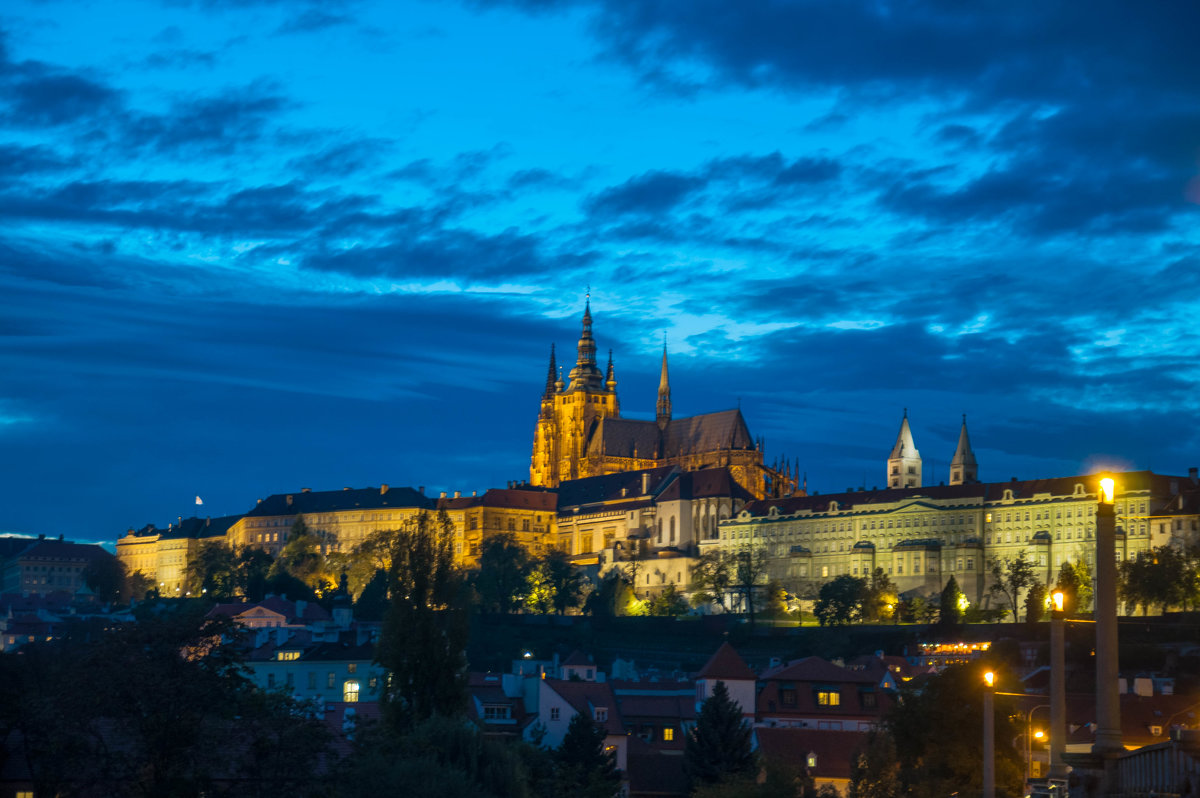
904	446
710	432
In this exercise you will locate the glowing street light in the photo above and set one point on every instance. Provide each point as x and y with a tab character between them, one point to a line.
1059	600
1107	487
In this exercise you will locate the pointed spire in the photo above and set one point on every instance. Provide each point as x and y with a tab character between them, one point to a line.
586	374
904	463
551	375
610	380
664	391
963	467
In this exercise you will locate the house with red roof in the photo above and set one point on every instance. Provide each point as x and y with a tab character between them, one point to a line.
813	693
727	666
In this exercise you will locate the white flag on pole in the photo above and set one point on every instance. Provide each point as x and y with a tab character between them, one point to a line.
199	500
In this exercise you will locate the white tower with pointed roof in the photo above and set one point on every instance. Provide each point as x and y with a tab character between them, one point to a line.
904	464
963	468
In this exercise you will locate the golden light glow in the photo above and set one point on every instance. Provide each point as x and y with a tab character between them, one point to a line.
1059	600
990	678
1107	486
1039	734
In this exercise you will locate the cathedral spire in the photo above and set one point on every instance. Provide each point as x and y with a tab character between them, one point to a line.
664	393
551	375
963	468
904	464
586	375
610	380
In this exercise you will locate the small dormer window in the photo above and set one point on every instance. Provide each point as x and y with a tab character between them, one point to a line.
601	714
811	760
1156	731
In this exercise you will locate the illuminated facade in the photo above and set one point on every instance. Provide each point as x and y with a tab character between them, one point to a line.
344	517
920	536
527	515
162	555
580	432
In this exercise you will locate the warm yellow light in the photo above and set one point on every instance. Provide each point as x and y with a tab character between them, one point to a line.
990	678
1059	600
1039	734
1107	486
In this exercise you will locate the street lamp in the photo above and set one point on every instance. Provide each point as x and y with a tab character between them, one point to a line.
1058	690
989	737
1108	708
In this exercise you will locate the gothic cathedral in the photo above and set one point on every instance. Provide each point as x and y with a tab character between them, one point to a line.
580	432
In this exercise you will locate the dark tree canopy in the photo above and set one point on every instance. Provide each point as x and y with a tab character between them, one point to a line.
720	746
840	600
584	767
949	610
503	573
425	629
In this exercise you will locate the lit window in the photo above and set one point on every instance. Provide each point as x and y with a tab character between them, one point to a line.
668	734
352	667
287	656
811	760
829	698
350	692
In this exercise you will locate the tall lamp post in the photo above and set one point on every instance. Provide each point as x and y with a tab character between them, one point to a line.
989	737
1108	707
1058	691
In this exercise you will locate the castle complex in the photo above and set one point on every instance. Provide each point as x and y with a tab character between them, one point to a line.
652	497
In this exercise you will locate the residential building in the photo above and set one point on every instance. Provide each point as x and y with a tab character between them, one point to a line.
46	565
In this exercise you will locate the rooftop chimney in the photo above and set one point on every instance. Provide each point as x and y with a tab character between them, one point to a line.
442	495
458	494
474	493
306	490
645	483
421	490
1194	475
346	488
383	489
289	500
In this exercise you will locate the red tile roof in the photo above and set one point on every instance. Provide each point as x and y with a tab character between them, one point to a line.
834	749
726	664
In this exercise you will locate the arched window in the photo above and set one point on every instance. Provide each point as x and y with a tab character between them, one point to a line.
672	529
350	692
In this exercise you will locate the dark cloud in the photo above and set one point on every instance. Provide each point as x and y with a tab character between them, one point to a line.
21	161
313	20
180	59
649	193
36	95
215	125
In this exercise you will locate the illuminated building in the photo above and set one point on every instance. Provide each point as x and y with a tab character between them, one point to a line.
920	535
527	515
162	555
580	432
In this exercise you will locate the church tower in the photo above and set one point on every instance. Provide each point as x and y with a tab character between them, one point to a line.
568	411
963	468
904	464
663	414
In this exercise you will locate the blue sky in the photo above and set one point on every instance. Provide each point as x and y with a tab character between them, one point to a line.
251	246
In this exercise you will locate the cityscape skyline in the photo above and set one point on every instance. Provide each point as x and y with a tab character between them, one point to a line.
250	247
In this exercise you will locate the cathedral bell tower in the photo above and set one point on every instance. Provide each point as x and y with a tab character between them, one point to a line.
569	410
963	468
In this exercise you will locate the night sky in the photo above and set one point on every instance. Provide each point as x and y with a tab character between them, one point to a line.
248	247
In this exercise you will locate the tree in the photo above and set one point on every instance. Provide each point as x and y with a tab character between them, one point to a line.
254	570
748	567
1009	577
719	745
503	572
565	580
137	586
874	771
951	603
840	600
584	767
879	598
303	557
212	572
1035	602
1162	577
935	732
711	579
425	629
106	576
372	602
777	600
668	603
1075	582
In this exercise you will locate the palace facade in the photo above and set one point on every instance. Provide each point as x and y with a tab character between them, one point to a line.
921	535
